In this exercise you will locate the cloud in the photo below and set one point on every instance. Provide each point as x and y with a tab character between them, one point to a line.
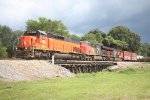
80	16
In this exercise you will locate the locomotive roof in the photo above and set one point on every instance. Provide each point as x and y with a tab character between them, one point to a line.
71	40
35	31
50	35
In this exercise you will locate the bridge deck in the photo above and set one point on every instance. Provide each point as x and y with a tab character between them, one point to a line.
85	66
84	63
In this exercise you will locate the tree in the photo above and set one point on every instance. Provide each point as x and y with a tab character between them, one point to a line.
3	52
89	37
144	49
7	38
6	35
124	34
111	42
73	36
99	35
94	36
48	25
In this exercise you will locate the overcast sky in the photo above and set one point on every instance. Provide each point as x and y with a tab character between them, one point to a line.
80	16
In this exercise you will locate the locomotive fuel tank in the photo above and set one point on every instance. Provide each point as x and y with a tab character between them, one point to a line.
66	56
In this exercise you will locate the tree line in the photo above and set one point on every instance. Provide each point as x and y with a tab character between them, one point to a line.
119	37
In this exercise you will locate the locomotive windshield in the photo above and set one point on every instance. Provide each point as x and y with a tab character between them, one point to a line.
31	33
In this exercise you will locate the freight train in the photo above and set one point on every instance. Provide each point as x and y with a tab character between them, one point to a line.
40	44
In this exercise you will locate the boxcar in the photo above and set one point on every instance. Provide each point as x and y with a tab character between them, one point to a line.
134	57
125	55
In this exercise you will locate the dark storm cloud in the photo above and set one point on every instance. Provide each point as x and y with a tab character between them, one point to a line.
107	14
80	16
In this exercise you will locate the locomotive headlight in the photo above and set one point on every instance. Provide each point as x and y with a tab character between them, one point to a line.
24	42
34	38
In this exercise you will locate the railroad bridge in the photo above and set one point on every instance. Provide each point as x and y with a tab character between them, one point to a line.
85	66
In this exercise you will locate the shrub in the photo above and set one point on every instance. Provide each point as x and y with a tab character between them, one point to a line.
3	53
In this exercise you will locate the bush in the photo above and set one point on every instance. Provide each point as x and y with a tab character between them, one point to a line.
3	53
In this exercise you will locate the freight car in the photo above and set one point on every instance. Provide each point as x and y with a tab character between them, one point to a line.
39	44
127	56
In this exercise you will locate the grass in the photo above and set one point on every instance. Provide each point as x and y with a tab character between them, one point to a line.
125	84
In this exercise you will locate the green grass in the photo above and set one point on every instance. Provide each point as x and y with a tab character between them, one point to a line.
127	84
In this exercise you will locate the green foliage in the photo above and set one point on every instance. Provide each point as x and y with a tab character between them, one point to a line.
6	35
99	35
73	36
48	25
89	37
111	42
3	53
95	86
7	39
124	34
94	36
144	49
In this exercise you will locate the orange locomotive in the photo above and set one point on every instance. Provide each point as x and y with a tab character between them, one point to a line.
39	44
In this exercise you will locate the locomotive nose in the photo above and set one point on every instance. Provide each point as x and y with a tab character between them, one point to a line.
24	42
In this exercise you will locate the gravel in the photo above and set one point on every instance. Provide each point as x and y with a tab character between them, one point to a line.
21	70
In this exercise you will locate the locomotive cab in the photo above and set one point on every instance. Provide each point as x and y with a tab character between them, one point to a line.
27	39
30	41
32	38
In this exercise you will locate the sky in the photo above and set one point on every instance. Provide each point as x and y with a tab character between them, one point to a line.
80	16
